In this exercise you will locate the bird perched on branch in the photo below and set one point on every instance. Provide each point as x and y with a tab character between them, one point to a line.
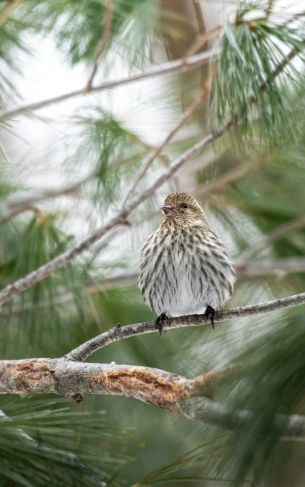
184	267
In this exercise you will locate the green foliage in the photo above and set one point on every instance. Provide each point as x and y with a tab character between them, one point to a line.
252	74
271	382
45	442
102	144
26	247
78	26
10	44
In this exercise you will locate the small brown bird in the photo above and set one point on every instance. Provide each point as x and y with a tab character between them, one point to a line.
184	267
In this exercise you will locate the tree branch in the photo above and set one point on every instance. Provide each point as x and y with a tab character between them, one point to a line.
277	234
229	177
108	16
153	386
164	68
156	151
271	267
86	349
208	411
73	379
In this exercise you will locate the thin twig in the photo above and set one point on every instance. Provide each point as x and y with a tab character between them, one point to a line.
271	267
231	176
108	16
10	6
17	211
65	258
18	206
277	234
151	72
202	40
156	152
269	8
86	349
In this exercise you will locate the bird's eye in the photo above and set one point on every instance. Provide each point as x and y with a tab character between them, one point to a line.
184	205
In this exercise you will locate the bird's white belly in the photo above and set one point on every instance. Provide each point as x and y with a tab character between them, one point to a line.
188	295
182	282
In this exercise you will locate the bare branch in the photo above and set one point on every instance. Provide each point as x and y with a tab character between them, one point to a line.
202	40
269	8
10	6
18	206
164	68
277	234
208	411
272	267
108	16
152	386
231	176
156	151
120	333
28	207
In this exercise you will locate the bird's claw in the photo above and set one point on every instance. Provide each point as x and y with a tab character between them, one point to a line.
118	331
159	323
210	315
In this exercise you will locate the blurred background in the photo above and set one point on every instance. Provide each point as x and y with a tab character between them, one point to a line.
67	166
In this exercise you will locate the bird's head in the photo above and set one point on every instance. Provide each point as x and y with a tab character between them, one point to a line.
182	209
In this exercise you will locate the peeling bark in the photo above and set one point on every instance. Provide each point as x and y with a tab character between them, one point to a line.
60	376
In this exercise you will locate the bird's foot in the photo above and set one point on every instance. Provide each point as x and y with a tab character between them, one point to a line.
159	323
118	331
210	315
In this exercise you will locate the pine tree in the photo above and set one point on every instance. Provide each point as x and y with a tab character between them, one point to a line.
162	96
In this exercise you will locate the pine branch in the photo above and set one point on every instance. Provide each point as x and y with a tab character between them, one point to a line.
121	333
18	206
23	436
153	386
108	17
277	234
16	211
231	176
208	411
164	68
120	218
157	151
202	40
271	267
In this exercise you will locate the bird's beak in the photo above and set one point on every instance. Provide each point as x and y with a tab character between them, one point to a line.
167	210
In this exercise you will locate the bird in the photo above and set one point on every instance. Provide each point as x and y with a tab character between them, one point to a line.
184	266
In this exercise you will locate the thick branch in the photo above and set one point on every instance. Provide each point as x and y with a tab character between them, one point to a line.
164	68
74	379
153	386
119	333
